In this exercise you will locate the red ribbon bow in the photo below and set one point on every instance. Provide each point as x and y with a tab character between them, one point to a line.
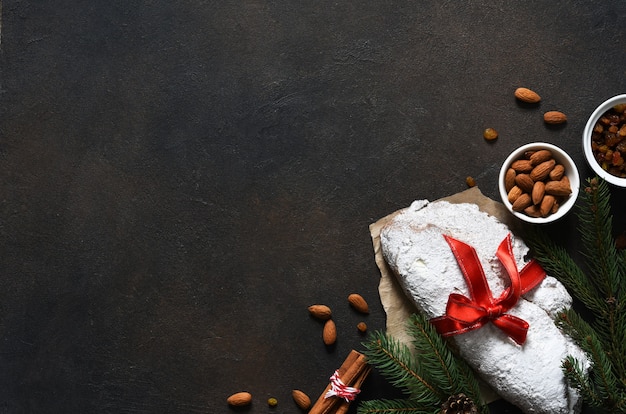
465	314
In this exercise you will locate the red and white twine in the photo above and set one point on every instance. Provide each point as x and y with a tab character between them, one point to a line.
341	390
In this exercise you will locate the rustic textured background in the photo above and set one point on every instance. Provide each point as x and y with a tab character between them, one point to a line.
180	180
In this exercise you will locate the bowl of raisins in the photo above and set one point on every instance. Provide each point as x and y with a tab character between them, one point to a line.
604	140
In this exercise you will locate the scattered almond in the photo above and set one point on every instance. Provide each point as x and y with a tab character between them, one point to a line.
527	95
554	117
358	303
301	399
329	333
239	399
322	312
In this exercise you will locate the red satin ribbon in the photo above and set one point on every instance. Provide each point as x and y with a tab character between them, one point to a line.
465	314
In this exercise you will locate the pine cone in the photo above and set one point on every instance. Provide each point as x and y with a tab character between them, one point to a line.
459	404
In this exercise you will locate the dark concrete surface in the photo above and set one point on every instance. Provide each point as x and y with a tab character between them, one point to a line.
180	180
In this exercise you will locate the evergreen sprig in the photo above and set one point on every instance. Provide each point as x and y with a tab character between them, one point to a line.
600	286
427	372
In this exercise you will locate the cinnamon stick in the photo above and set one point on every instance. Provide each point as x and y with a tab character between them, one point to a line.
352	372
343	408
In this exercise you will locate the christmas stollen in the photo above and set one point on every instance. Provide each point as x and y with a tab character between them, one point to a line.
514	344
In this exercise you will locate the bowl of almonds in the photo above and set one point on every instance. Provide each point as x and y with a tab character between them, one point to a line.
604	140
539	183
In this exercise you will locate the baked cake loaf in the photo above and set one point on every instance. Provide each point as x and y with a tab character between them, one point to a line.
527	375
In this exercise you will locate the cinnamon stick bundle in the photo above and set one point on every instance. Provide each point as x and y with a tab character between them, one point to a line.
352	372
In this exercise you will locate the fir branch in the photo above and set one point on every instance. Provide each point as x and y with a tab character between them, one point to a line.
609	267
448	372
596	233
395	362
398	406
575	327
558	263
429	377
602	291
579	380
621	341
621	403
602	371
435	360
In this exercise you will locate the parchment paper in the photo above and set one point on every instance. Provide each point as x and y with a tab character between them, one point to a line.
396	304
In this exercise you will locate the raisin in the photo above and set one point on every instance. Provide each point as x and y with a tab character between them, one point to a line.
490	134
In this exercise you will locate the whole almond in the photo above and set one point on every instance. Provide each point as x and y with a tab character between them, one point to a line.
546	205
322	312
539	189
239	399
301	399
558	188
540	156
524	182
522	202
527	95
329	334
509	179
557	172
514	194
522	166
532	211
358	303
541	171
554	117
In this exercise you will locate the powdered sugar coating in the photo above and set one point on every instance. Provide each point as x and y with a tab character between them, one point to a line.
529	376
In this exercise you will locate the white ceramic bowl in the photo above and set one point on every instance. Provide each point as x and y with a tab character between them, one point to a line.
560	157
591	123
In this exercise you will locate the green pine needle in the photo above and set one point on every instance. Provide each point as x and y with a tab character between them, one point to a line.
573	325
396	363
436	365
448	373
428	372
596	234
579	380
558	263
399	406
602	372
602	290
